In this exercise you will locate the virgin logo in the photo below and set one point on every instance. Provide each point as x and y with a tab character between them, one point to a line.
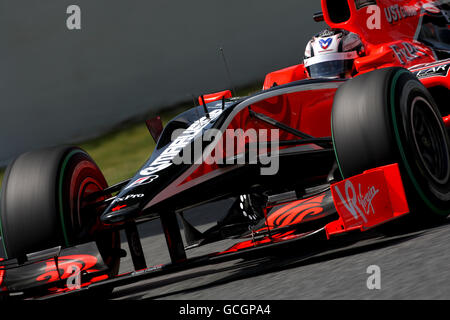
359	205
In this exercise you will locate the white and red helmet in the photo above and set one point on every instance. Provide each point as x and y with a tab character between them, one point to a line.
330	54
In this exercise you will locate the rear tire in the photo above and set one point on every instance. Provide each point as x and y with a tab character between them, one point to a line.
43	204
387	116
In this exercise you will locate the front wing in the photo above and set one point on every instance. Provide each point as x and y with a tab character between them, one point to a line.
362	202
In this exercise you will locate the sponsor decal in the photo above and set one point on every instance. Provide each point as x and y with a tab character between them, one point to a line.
142	181
396	13
71	269
66	267
325	43
359	205
165	159
432	64
129	196
297	212
437	71
369	199
407	52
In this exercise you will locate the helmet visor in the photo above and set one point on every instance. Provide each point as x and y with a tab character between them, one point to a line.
330	69
331	65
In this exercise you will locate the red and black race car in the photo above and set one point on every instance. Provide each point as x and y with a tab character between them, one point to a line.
350	140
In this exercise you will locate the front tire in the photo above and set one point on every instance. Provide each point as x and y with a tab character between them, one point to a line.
43	204
387	116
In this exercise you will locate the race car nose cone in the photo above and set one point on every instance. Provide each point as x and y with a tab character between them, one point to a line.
119	213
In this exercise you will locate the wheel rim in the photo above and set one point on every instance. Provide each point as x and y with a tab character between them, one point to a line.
429	141
83	219
87	187
444	212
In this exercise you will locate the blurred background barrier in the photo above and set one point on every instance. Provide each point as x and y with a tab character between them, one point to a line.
131	59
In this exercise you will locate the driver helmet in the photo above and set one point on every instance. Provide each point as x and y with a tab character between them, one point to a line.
330	54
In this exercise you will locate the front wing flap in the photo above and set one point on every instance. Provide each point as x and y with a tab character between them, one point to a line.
368	200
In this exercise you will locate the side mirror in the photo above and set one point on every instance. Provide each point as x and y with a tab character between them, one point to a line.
155	127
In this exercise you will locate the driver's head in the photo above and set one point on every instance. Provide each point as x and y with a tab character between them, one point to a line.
330	54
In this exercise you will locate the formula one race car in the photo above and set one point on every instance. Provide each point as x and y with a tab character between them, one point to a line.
352	139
